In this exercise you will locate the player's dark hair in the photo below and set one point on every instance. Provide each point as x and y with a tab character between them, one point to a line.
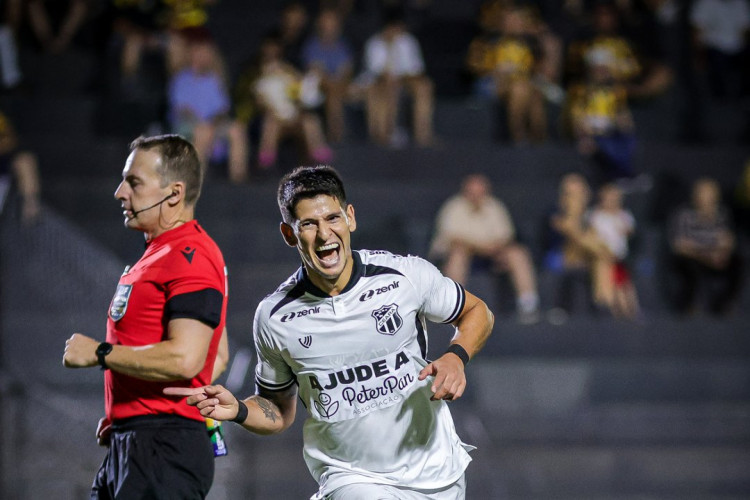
179	162
308	182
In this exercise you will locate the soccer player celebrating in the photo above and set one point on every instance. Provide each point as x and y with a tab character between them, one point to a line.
165	327
347	331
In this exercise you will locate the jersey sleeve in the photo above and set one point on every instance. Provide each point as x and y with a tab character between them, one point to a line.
195	286
442	298
272	373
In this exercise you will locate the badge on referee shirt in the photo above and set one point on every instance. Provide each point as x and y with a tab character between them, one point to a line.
120	302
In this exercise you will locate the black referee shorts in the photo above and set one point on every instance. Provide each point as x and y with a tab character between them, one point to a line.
156	457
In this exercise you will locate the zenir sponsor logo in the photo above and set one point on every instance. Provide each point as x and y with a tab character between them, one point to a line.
377	291
305	341
298	314
387	319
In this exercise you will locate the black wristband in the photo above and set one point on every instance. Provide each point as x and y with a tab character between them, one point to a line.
241	413
460	352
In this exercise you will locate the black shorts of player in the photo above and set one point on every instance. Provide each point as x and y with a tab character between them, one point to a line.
162	457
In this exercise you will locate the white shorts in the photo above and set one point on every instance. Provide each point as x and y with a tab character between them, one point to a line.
371	491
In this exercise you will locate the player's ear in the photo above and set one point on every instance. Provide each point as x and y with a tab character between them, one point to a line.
351	220
288	233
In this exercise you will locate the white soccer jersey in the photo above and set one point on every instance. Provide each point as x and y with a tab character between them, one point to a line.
356	357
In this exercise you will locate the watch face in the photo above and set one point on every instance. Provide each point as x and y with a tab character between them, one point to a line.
104	349
101	351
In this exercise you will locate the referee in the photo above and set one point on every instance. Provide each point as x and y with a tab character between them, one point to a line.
165	326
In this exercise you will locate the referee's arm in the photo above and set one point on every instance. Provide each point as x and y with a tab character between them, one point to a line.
181	356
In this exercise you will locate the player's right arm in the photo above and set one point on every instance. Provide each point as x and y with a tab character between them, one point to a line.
267	412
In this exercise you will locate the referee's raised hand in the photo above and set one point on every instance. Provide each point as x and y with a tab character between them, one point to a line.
213	401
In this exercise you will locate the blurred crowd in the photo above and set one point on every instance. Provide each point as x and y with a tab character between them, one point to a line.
589	58
586	249
563	70
567	69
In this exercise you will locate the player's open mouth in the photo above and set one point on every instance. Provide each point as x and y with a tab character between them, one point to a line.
328	254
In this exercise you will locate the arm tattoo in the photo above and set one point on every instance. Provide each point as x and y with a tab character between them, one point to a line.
265	405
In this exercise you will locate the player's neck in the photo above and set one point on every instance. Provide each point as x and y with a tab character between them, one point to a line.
334	286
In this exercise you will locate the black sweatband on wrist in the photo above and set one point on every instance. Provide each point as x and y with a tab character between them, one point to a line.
460	352
241	413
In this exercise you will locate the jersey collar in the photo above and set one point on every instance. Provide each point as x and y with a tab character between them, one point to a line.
173	234
357	273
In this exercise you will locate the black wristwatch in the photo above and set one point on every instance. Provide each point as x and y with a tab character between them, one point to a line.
101	352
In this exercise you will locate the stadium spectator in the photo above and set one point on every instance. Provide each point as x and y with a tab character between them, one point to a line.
10	70
474	230
720	36
652	28
605	44
292	31
600	119
139	28
159	30
41	22
704	251
393	62
505	62
329	55
200	109
573	251
633	35
285	98
21	165
614	225
186	20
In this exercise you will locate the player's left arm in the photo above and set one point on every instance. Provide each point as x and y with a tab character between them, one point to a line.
473	328
181	356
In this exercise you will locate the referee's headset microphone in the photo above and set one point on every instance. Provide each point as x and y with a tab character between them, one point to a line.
136	212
